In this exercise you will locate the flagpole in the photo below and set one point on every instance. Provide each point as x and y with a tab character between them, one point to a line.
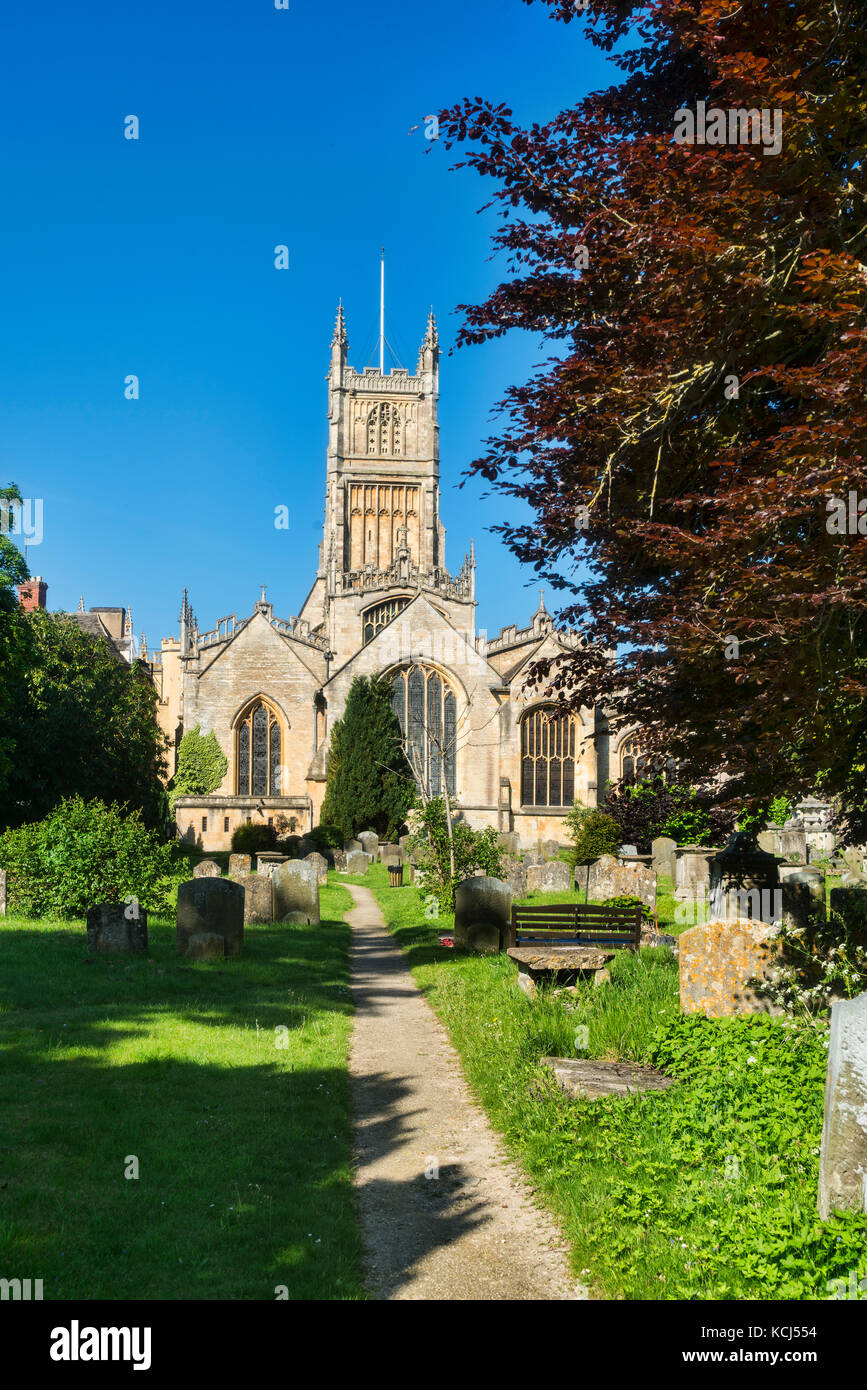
382	313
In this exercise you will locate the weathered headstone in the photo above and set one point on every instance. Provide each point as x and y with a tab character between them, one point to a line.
507	841
258	898
515	875
816	817
369	841
239	864
340	860
2	892
269	860
206	945
769	839
350	845
121	927
793	841
551	877
390	854
306	847
320	864
206	868
851	905
744	882
208	906
627	851
482	914
296	892
803	898
533	857
664	852
717	960
551	848
843	1163
609	878
692	875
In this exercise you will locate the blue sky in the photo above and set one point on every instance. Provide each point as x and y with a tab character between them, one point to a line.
156	257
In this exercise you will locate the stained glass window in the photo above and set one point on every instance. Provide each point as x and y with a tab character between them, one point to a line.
260	752
427	710
548	740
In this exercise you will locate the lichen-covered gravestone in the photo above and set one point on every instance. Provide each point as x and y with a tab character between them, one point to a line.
507	841
208	907
533	857
551	877
258	898
269	860
390	854
239	864
320	864
340	860
608	878
121	927
482	914
664	857
716	961
207	869
692	872
843	1164
350	845
369	841
551	848
515	875
296	892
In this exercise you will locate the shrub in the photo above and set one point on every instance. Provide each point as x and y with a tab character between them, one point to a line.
249	838
592	832
629	900
472	849
201	766
325	838
84	853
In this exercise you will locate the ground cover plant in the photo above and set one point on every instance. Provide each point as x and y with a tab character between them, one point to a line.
241	1132
705	1191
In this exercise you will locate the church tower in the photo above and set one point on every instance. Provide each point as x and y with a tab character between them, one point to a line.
383	540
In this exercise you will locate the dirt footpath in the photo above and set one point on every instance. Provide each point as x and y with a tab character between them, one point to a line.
444	1213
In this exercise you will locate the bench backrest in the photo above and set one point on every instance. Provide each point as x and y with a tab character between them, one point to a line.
587	924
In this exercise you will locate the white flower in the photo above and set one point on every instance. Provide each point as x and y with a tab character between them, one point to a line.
752	1060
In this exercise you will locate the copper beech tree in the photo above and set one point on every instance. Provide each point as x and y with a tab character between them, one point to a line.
690	243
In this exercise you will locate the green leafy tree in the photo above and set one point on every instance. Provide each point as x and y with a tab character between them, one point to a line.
82	722
13	647
85	853
592	833
202	765
370	783
446	851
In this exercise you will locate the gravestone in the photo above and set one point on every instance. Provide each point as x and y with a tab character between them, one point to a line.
208	906
716	961
507	841
744	882
340	860
769	839
610	879
664	856
851	905
296	892
350	845
533	857
320	864
357	862
206	945
482	914
692	874
793	841
239	864
853	858
2	892
207	869
515	875
369	842
627	851
551	849
803	898
269	860
258	898
306	847
552	877
390	854
403	845
110	927
843	1162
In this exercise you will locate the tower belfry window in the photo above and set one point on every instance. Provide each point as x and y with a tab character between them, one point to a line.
384	430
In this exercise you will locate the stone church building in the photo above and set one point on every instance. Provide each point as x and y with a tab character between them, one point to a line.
382	601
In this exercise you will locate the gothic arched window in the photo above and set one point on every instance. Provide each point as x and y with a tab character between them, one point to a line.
636	762
427	709
259	748
548	740
381	613
384	430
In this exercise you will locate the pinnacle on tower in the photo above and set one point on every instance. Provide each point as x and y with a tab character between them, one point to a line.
431	338
340	339
81	603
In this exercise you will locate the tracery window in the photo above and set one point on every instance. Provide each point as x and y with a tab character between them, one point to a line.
427	709
259	745
548	742
381	613
384	430
637	762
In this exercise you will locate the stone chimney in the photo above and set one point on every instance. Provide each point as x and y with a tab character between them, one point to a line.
32	594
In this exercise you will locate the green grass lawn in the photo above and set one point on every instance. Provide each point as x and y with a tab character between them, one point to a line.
704	1191
243	1145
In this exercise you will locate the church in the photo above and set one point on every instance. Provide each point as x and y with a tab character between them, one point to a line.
382	602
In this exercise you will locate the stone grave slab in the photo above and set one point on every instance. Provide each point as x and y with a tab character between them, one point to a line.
593	1080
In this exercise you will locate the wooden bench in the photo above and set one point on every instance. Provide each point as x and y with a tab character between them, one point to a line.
579	924
561	941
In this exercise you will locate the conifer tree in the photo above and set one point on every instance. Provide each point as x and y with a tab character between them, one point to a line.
370	784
